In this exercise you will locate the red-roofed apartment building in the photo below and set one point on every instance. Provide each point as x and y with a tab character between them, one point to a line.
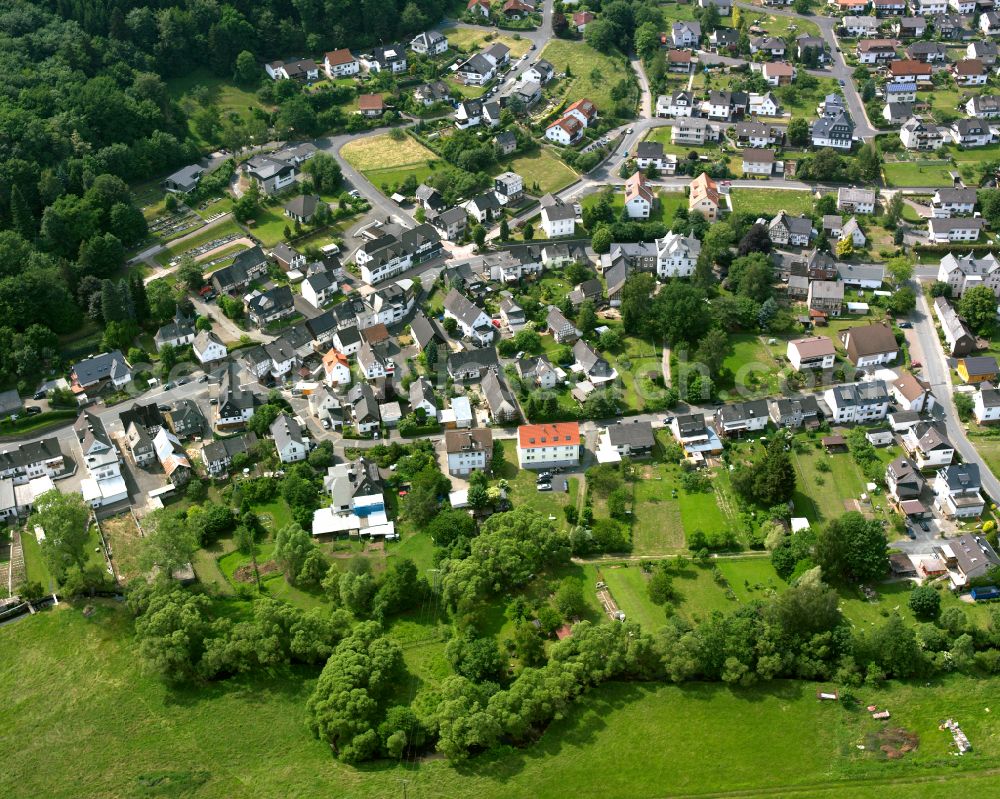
567	130
542	446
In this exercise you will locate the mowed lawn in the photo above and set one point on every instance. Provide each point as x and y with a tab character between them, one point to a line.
627	584
543	168
666	207
593	75
121	732
385	152
917	173
820	495
657	526
767	202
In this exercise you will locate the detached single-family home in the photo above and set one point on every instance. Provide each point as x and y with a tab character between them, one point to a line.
928	446
795	412
826	297
903	479
986	403
958	336
289	440
473	321
639	198
795	231
468	450
685	34
811	353
340	63
208	348
870	345
856	201
563	330
265	307
676	255
970	72
759	161
742	417
953	202
956	495
836	132
558	218
911	393
941	231
630	439
979	369
429	43
703	197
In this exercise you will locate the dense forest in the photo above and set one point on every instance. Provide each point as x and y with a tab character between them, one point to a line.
85	111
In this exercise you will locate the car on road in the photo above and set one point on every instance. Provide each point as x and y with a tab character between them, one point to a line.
203	379
168	386
630	131
840	82
544	486
906	325
924	526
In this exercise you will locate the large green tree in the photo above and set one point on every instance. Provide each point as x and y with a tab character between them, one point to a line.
64	518
852	548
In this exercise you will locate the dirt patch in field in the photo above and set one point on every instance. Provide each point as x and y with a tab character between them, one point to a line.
893	742
245	574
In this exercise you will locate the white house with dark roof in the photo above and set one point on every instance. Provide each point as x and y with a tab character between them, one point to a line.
472	320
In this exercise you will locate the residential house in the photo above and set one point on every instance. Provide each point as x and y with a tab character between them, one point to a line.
904	93
810	49
811	353
742	417
941	231
558	218
289	440
247	266
473	321
929	52
911	393
292	69
985	51
872	51
650	154
468	450
968	271
467	366
176	334
340	63
185	419
505	142
826	297
536	372
566	131
969	558
795	412
581	19
468	114
977	369
836	132
958	336
986	403
390	254
685	33
679	61
391	58
347	340
589	363
832	106
758	161
543	446
172	457
790	230
632	439
856	201
422	399
928	446
725	105
694	436
860	27
434	92
318	290
724	40
857	402
499	400
870	345
140	445
269	306
287	257
483	208
703	197
694	131
365	416
336	369
918	134
591	290
372	364
185	179
969	72
562	329
770	46
778	73
235	403
509	188
956	495
271	174
971	133
766	105
218	454
639	198
989	23
678	104
852	230
757	134
909	27
540	72
953	202
97	372
429	43
676	255
903	480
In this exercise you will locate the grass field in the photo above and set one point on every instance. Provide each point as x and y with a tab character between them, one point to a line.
121	732
469	39
657	527
669	202
35	568
844	481
542	167
767	202
627	584
221	92
385	152
917	173
594	75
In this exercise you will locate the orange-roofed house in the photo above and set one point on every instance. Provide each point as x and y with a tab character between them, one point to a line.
850	6
907	70
704	197
336	369
583	110
339	63
371	105
567	130
543	446
638	197
581	19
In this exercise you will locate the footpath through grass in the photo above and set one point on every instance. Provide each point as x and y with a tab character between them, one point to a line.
119	732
